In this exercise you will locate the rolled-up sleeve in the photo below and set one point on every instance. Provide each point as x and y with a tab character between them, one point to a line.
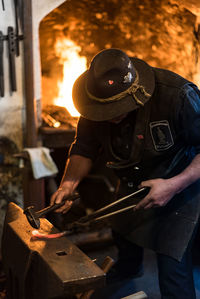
86	142
189	115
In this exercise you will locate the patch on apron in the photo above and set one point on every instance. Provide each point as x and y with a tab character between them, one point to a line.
161	135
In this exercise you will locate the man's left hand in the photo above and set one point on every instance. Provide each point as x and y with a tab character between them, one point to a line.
161	192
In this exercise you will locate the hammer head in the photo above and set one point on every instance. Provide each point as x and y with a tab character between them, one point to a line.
32	217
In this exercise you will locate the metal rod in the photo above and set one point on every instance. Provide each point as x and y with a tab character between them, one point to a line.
16	27
94	214
115	212
1	66
3	5
79	224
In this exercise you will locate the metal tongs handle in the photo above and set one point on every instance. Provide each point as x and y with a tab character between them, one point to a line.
94	215
1	65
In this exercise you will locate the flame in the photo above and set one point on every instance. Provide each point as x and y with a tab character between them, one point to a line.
73	66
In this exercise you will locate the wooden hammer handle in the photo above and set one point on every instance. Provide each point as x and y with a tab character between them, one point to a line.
56	205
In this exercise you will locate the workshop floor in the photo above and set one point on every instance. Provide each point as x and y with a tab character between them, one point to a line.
148	283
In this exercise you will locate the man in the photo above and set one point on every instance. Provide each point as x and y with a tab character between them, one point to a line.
146	121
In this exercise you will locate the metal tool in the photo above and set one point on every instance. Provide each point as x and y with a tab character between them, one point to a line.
3	5
1	65
11	51
33	217
21	16
16	6
97	215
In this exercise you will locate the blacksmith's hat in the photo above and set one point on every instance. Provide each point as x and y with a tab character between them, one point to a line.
113	85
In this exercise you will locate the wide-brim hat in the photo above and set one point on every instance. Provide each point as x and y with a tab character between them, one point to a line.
113	85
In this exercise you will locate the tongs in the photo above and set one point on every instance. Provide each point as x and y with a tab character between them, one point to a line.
85	222
97	215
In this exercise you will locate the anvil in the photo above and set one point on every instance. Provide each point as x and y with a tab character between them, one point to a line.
44	269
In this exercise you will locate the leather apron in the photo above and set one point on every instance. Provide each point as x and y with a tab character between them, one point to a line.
165	230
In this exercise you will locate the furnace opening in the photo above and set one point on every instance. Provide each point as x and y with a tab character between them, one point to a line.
74	32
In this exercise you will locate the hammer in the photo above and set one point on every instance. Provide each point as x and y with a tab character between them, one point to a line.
33	217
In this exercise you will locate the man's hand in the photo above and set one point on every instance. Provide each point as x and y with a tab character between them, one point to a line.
161	192
77	167
61	194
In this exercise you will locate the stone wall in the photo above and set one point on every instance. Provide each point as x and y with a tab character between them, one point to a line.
163	33
11	122
12	104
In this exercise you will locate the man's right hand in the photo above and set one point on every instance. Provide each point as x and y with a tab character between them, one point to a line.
77	167
61	195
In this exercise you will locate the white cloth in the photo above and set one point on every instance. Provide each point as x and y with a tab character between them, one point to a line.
41	162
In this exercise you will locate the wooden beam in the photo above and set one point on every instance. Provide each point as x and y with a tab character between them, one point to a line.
33	189
31	122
